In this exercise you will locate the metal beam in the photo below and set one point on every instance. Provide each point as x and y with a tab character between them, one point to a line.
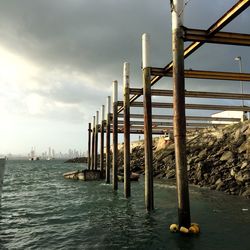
202	74
155	131
195	94
192	118
198	35
193	106
157	124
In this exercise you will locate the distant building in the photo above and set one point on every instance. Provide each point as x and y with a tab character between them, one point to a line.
229	114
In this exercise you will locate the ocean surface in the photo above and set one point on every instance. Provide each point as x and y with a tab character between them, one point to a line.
42	210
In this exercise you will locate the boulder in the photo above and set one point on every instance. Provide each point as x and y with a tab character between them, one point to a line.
228	155
242	176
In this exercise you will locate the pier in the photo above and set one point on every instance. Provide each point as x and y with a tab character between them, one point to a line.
123	120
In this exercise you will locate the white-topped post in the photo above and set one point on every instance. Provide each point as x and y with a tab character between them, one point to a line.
108	140
127	188
147	103
179	113
93	144
115	135
102	141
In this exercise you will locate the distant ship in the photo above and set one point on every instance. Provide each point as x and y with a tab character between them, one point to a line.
2	168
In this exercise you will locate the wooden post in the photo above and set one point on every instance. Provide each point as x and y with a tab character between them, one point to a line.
147	102
89	146
93	144
96	140
115	135
179	114
102	141
108	141
127	188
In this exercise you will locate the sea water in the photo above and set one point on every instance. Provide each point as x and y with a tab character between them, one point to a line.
42	210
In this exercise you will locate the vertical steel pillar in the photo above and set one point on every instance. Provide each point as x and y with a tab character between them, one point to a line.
115	135
102	142
96	140
89	146
149	192
127	188
179	113
93	144
108	140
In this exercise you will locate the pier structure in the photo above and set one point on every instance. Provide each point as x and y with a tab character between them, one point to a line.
178	121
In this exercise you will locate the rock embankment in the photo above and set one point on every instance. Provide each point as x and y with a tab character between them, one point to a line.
77	160
218	158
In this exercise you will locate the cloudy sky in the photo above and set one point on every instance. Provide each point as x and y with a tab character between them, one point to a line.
58	59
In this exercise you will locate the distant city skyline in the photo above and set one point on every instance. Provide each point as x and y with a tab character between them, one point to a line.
70	153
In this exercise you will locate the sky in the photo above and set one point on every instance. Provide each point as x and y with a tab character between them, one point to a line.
58	59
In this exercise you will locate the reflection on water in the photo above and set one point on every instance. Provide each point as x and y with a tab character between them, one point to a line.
41	210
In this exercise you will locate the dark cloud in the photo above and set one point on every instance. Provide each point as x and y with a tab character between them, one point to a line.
97	36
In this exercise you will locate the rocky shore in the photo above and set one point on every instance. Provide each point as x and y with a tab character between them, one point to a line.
77	160
218	158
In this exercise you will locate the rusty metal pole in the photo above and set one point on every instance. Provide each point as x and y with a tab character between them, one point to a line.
93	144
149	192
179	113
89	146
108	141
115	135
127	188
102	142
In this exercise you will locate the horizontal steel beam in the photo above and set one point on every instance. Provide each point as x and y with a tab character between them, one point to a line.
202	74
197	35
155	131
156	124
138	131
170	126
192	106
195	94
191	118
